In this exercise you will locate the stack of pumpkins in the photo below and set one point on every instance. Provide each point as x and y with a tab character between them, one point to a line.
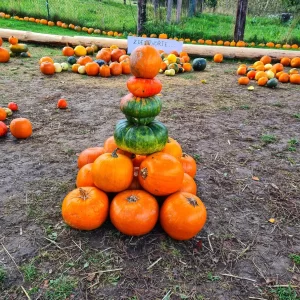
138	166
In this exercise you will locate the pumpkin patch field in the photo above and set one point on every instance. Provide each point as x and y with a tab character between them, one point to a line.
244	137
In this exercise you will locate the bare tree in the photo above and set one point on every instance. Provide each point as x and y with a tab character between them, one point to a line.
240	21
192	8
141	17
178	11
169	11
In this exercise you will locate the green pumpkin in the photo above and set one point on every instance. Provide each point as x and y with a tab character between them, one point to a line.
141	139
173	66
72	60
272	83
199	64
140	107
24	54
18	48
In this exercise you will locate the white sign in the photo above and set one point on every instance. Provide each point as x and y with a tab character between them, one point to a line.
159	44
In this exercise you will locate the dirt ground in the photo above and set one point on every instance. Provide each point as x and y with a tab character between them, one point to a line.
235	134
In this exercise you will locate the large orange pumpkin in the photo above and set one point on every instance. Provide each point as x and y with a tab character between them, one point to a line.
92	69
83	60
295	62
295	78
188	184
145	62
104	55
189	164
173	147
141	87
104	71
182	215
68	51
84	176
20	128
47	68
134	212
161	174
4	55
115	68
112	172
89	155
85	208
125	64
116	54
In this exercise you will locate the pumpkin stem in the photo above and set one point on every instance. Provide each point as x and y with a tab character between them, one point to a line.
192	201
132	198
184	154
83	194
144	173
114	153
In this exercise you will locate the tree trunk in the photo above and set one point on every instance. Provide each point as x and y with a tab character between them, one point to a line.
192	8
155	7
178	11
124	1
169	11
240	21
141	17
201	6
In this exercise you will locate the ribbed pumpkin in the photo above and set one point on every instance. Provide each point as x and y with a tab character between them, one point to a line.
161	174
145	62
112	172
84	176
134	212
182	215
141	110
188	184
141	139
141	87
85	208
89	155
189	164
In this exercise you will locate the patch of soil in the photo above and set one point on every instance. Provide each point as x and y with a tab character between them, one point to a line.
239	254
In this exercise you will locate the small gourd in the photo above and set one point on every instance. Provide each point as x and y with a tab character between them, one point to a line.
170	72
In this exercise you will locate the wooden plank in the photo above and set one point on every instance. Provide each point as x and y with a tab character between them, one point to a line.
191	49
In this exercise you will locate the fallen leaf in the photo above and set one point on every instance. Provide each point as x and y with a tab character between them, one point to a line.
255	178
272	220
91	277
203	81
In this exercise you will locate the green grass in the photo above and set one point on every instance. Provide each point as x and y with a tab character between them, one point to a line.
3	275
297	116
292	143
295	258
268	138
60	288
286	293
29	271
114	15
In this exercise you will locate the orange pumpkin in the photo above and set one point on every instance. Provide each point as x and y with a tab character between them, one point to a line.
47	68
243	80
266	59
4	55
135	184
189	164
278	67
134	212
141	87
13	40
84	176
284	77
137	159
262	81
85	208
92	69
110	146
145	62
104	71
112	172
161	174
188	184
89	155
182	215
295	78
187	67
173	148
285	61
295	62
1	41
20	128
251	74
218	58
68	51
125	64
241	71
116	54
46	59
3	114
83	60
104	55
115	68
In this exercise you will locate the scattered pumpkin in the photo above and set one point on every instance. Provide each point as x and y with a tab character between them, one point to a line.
62	103
85	208
266	59
92	69
3	129
104	71
47	68
285	61
182	215
13	40
3	114
115	68
284	77
20	128
134	212
295	78
218	58
295	62
262	81
243	80
4	55
68	51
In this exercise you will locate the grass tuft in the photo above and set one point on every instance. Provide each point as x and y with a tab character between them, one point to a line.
268	138
295	258
60	288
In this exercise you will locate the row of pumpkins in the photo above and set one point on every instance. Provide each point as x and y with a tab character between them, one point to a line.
139	163
114	61
268	74
153	35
